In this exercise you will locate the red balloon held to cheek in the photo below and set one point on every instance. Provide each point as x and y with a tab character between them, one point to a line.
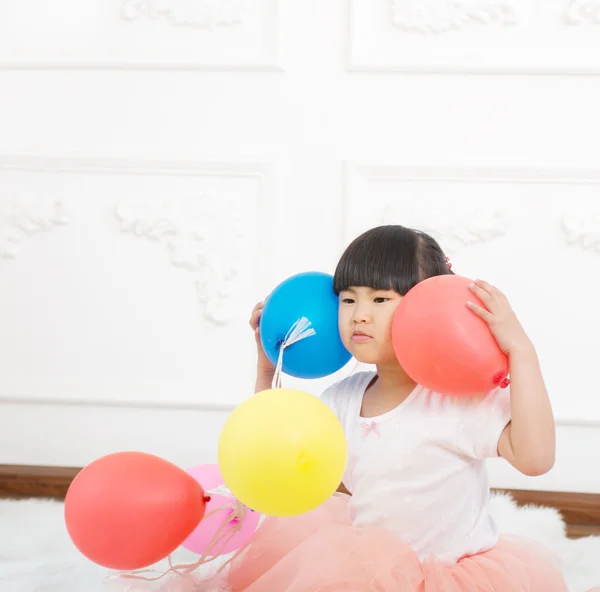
442	344
128	510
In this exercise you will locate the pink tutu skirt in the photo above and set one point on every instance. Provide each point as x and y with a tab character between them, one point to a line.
322	552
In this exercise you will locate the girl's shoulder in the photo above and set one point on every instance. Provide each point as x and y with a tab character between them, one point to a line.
472	414
497	398
342	393
473	423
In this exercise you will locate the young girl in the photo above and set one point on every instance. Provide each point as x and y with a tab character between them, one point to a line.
412	512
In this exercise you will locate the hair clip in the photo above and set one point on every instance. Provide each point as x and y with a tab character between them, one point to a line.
448	263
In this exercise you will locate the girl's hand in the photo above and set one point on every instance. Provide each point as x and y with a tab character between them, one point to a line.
500	317
263	363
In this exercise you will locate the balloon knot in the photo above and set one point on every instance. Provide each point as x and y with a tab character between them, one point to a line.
207	498
501	380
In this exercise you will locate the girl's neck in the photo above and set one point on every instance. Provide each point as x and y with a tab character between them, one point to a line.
392	377
390	388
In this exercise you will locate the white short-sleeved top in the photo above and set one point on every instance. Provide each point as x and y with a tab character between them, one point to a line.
419	469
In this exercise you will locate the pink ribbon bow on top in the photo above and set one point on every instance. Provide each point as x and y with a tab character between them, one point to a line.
369	427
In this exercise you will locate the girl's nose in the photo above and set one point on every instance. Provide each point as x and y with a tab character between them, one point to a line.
361	315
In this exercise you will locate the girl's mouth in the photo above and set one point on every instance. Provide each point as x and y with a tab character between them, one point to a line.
360	337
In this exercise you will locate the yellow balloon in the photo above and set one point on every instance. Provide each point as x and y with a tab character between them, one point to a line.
282	452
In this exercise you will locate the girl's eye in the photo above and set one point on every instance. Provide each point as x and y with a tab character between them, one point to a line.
348	301
381	300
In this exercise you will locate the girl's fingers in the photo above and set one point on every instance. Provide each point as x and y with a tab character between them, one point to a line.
255	320
482	294
481	312
491	290
255	316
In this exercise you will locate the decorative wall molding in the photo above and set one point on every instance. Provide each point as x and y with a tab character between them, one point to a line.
106	402
386	170
442	16
471	37
583	11
204	14
476	224
190	237
196	243
211	406
582	228
21	218
210	166
454	224
200	35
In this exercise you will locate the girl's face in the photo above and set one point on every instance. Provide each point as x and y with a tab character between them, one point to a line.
365	322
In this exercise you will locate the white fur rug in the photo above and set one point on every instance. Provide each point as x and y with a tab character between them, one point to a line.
36	554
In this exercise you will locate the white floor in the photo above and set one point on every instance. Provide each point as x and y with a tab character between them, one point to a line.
36	554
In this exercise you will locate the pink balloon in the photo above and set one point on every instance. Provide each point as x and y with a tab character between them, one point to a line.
209	476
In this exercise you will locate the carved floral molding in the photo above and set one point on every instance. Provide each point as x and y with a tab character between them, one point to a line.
207	243
442	16
204	14
583	11
454	225
22	218
583	228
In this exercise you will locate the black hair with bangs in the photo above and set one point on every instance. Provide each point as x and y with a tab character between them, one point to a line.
390	257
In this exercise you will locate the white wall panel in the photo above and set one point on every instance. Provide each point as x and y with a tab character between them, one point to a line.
154	34
164	163
140	296
475	36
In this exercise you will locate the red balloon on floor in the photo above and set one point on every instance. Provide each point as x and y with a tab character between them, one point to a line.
129	510
443	345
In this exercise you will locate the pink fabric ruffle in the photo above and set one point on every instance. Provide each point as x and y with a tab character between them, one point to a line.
322	552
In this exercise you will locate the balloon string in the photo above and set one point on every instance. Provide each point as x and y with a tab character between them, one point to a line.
226	531
298	331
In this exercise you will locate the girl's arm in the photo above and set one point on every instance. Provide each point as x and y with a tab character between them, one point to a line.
264	379
265	371
528	442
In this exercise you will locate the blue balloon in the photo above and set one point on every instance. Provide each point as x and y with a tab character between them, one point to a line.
309	295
